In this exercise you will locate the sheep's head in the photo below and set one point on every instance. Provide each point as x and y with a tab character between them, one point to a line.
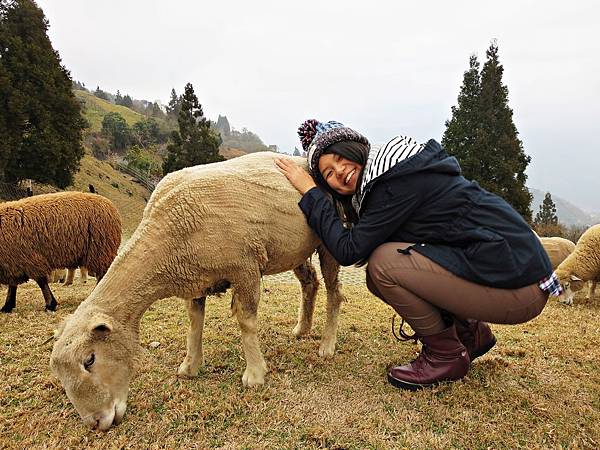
570	284
93	358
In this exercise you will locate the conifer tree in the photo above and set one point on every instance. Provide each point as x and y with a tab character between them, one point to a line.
461	129
118	98
195	142
547	212
503	160
127	101
483	137
40	121
174	105
296	152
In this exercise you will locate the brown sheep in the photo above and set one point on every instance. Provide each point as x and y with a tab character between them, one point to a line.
53	231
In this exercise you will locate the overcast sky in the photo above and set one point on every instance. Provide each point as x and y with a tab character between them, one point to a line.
381	67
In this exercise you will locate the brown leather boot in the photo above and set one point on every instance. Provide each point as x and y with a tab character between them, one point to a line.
475	335
442	358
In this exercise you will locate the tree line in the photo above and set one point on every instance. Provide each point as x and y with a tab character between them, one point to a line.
42	125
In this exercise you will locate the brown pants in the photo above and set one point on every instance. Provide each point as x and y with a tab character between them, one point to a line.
419	289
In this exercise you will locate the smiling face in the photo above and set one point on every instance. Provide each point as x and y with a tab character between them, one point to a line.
341	174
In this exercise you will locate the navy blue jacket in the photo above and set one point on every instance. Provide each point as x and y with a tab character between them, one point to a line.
424	200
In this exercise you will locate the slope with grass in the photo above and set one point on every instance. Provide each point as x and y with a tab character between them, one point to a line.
128	196
94	109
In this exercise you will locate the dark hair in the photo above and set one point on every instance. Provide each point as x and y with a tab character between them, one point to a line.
356	152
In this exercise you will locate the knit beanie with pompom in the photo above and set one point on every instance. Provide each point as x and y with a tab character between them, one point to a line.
317	136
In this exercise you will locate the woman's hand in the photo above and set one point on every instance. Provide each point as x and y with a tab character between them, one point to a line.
299	177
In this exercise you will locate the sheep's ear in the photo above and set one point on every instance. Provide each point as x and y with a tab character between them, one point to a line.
101	327
574	278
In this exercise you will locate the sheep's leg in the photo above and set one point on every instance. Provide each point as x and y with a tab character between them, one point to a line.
70	277
307	276
591	290
244	307
51	302
11	300
194	357
330	270
84	274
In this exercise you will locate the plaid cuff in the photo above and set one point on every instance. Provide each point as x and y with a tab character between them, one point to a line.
551	285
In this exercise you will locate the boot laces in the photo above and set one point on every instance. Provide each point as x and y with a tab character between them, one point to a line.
402	335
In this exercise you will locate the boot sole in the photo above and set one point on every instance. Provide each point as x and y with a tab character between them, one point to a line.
483	350
407	385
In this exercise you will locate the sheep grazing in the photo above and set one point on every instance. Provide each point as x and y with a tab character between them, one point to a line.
582	265
204	229
54	231
557	248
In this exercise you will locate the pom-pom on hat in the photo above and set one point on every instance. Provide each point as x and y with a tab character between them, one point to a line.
317	136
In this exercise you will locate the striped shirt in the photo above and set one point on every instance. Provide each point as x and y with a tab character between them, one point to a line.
383	158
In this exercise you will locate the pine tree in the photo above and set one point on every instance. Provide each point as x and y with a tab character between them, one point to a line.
503	159
547	213
195	142
461	129
174	105
118	98
484	138
297	152
156	111
127	101
40	121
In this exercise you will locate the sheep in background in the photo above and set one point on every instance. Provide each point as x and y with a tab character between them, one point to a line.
582	265
53	231
67	276
205	228
557	248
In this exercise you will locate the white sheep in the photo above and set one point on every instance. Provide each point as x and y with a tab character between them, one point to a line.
582	265
205	228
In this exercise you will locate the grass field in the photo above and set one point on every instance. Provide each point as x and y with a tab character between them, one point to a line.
538	388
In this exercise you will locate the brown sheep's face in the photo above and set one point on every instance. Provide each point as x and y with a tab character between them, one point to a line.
93	360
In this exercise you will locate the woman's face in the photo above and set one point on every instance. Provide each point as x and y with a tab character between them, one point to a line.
340	173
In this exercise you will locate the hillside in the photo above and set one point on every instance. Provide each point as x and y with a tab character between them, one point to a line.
567	212
94	109
128	196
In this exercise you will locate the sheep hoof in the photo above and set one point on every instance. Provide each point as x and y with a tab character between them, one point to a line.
6	309
254	377
300	330
326	349
52	306
185	370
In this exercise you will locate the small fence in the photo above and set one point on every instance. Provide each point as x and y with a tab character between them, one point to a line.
139	177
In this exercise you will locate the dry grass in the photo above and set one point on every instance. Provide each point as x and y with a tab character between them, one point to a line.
539	388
